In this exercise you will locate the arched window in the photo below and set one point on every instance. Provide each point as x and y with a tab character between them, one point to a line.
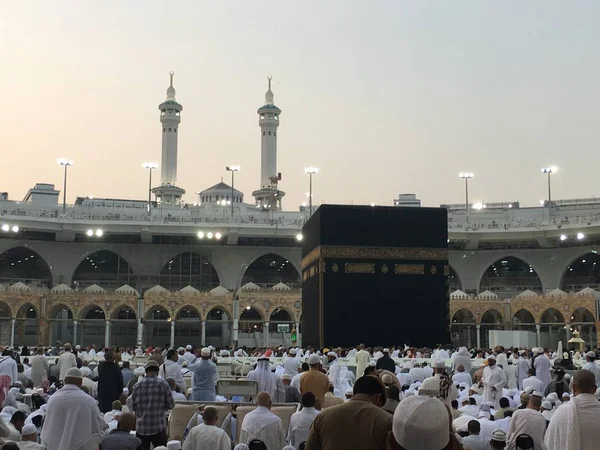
169	128
269	133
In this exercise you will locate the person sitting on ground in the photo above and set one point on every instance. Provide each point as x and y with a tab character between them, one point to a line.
16	425
504	405
263	424
498	441
121	437
292	395
208	434
474	441
301	421
460	376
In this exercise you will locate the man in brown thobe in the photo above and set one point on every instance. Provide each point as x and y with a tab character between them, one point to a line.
315	381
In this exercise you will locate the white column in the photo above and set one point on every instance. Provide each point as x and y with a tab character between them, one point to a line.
12	332
235	334
172	333
538	332
107	334
478	335
140	333
266	333
75	332
203	333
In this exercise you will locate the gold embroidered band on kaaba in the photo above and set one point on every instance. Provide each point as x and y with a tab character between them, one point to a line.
403	253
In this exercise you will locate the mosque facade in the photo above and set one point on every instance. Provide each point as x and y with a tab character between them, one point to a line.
220	270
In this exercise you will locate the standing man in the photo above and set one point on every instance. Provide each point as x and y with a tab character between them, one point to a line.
110	382
263	424
151	399
592	366
72	418
542	368
441	384
39	367
66	361
494	379
291	363
523	366
267	380
205	377
385	362
170	369
315	381
362	360
8	367
463	358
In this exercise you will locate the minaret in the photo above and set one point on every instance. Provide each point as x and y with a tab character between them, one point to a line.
170	116
268	196
168	194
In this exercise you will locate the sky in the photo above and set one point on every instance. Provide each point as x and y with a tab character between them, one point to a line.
384	97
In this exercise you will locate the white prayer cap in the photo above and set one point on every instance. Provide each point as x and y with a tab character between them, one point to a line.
499	435
492	357
313	359
372	363
552	397
181	349
289	447
174	445
292	351
161	447
188	347
463	385
28	429
421	422
211	348
386	350
74	372
439	364
334	354
387	379
547	405
139	370
78	347
528	390
591	354
535	350
460	423
205	351
566	355
566	395
285	376
537	394
224	352
241	447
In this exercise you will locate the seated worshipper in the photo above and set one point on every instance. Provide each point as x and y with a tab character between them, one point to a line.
566	363
73	420
420	423
207	435
256	444
110	382
393	399
504	424
528	421
177	396
292	395
474	441
301	421
121	438
575	423
498	441
546	410
532	381
8	367
29	434
170	369
262	424
462	377
359	423
484	418
558	385
330	399
267	380
469	407
340	383
504	405
439	385
117	409
204	378
176	445
16	425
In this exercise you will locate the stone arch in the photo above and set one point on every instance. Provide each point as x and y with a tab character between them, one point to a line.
510	275
60	320
123	328
157	313
182	313
454	281
187	326
26	325
582	271
270	269
27	311
157	325
281	315
251	319
57	308
218	326
492	317
5	310
123	311
464	316
523	317
582	315
189	268
103	267
223	308
552	316
93	312
22	263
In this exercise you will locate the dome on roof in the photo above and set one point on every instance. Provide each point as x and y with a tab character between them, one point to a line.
527	294
61	289
94	289
281	287
19	287
556	293
250	287
487	295
458	294
189	291
157	290
127	290
588	291
220	188
219	291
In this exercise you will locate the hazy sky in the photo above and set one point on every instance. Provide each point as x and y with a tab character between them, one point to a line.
385	97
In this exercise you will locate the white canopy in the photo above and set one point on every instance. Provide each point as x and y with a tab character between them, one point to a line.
94	289
281	287
19	287
588	291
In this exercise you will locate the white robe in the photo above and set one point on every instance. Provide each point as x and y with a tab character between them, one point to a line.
72	420
433	383
575	425
493	377
535	383
207	436
264	425
300	423
523	366
362	361
542	370
595	369
531	422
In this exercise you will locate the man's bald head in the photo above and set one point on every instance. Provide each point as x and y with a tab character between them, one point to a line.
263	399
126	422
584	382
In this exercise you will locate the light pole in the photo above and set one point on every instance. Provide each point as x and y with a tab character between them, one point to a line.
549	171
233	170
66	163
150	166
310	171
466	176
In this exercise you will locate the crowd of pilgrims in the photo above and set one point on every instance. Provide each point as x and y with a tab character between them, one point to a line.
513	399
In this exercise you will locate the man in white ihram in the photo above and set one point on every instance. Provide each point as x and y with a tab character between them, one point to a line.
542	368
523	366
440	385
262	424
592	366
73	420
532	381
291	363
463	358
494	379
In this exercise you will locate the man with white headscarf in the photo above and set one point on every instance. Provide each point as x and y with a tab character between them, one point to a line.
494	379
263	424
542	368
340	384
440	385
462	358
291	363
267	381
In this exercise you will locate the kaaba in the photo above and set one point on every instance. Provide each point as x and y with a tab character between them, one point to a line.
375	275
